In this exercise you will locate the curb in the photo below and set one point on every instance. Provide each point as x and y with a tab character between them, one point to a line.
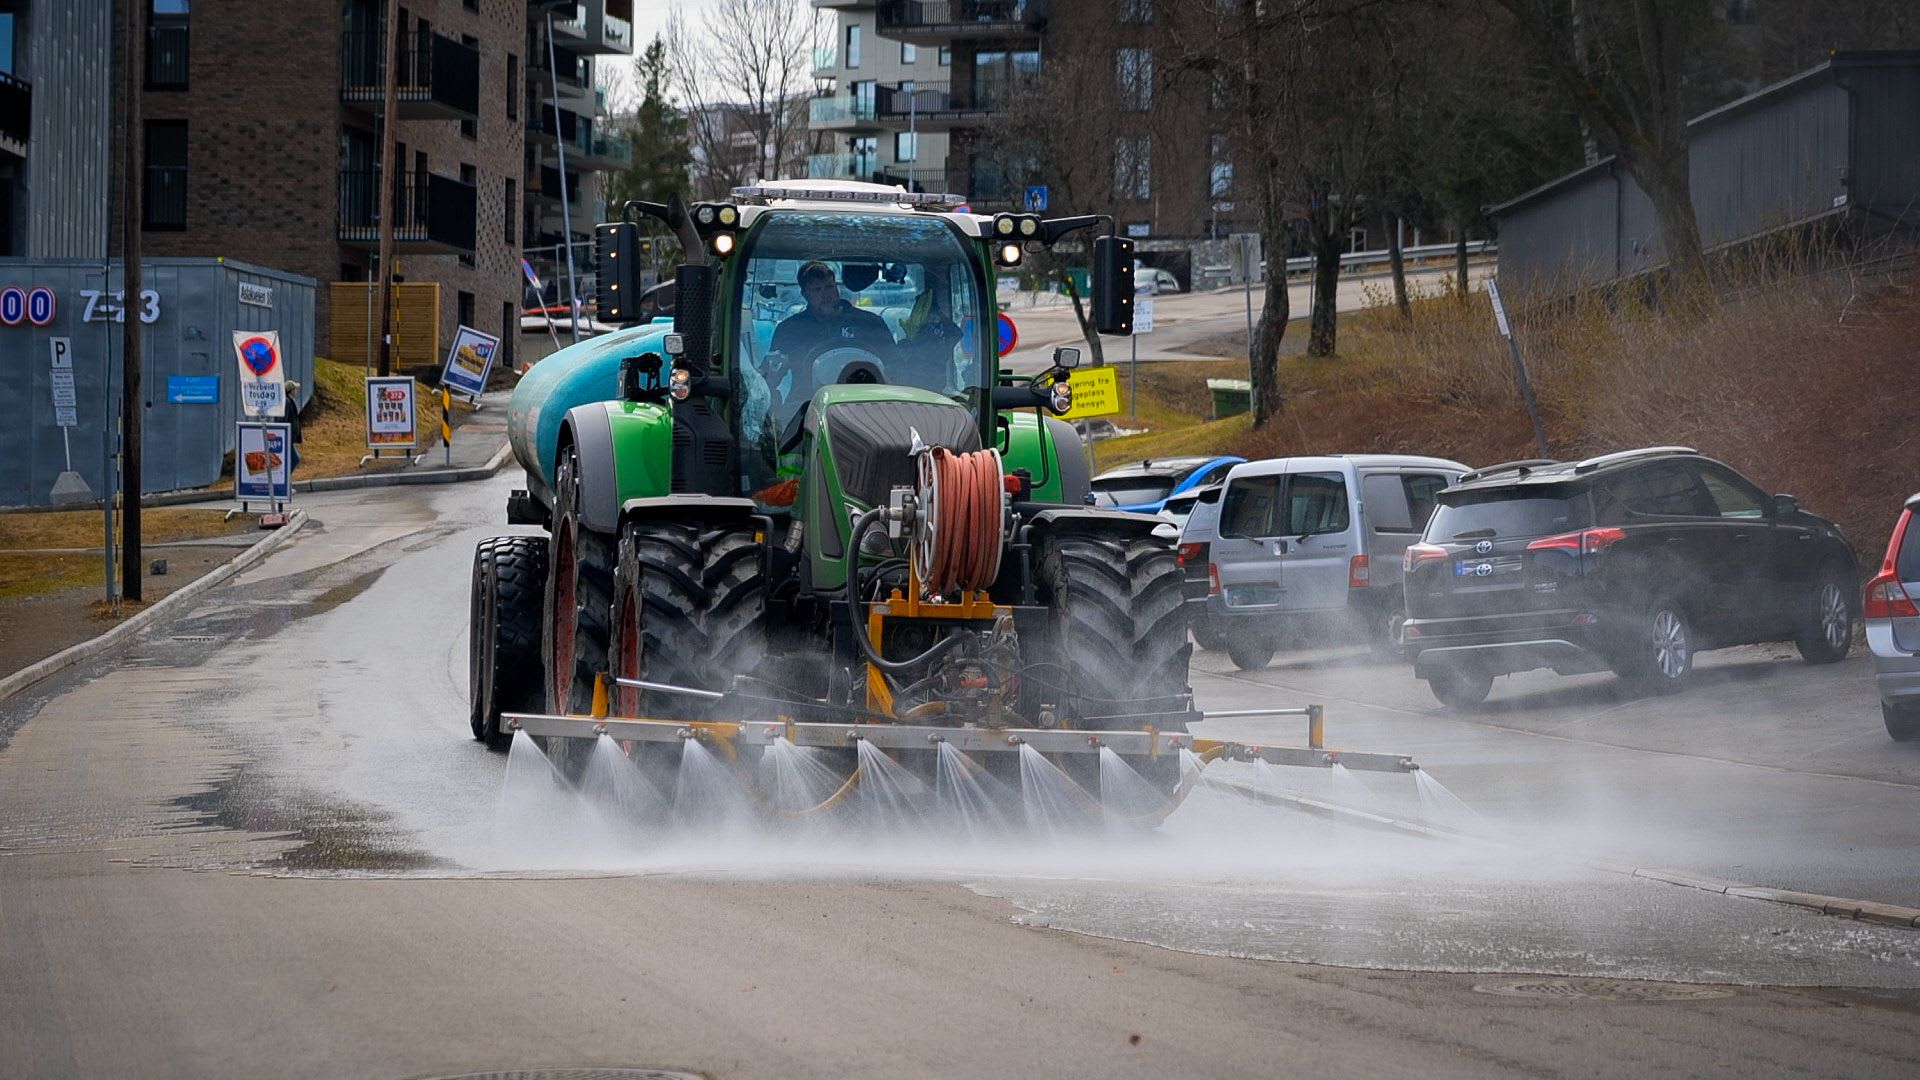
1843	907
160	609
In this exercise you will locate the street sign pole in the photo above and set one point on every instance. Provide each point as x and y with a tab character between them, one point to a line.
1519	366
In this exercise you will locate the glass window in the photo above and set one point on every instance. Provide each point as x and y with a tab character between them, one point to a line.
6	42
1220	169
853	46
1133	166
165	203
513	87
906	146
1506	514
166	44
1423	490
909	52
1133	77
1667	490
1217	91
903	306
1908	563
1136	11
1249	507
946	56
1732	496
1131	490
1386	500
1316	503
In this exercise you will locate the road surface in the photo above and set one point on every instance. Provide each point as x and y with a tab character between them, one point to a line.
259	841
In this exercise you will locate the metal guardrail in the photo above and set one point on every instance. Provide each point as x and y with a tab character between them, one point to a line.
1359	259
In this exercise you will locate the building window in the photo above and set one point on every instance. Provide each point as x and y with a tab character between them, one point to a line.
164	202
1139	230
1133	167
468	176
1136	11
513	87
509	324
906	146
853	46
466	309
470	128
1133	77
1217	91
866	156
909	52
1219	168
166	44
946	56
511	208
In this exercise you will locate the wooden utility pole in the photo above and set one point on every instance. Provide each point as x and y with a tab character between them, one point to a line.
131	575
388	179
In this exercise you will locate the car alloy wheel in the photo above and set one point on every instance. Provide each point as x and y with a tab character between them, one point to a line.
1672	651
1836	622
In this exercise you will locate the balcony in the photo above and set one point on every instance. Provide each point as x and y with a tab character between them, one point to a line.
432	215
841	166
547	190
844	5
167	54
594	26
570	24
846	112
439	78
16	114
825	61
942	22
938	107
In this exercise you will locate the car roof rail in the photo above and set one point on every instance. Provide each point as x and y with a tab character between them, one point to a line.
1523	466
1593	463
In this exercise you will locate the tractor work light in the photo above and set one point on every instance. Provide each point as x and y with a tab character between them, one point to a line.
1060	398
1016	226
681	384
1008	254
722	244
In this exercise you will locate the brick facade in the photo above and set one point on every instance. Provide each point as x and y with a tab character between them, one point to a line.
266	132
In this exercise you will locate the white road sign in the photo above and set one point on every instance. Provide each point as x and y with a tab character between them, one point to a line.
1143	315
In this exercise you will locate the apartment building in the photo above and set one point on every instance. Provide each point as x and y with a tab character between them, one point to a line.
881	115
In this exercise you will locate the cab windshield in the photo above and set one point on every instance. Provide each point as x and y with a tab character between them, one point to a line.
829	298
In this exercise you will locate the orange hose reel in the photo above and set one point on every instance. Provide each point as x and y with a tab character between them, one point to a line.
962	520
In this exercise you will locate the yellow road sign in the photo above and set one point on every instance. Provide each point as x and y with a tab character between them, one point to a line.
1096	392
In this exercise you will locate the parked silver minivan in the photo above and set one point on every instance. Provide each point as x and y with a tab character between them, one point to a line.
1304	547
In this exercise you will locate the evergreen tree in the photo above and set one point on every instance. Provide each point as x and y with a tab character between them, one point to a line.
657	128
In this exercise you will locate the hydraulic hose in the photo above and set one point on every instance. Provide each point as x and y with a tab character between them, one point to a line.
966	520
857	610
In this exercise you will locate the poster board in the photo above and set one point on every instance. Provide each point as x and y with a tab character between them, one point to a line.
263	462
1096	392
469	362
390	413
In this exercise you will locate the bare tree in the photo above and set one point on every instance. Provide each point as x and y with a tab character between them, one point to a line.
743	74
1622	65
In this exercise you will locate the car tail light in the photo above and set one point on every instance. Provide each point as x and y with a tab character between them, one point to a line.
1213	579
1585	542
1420	553
1190	553
1357	573
1888	599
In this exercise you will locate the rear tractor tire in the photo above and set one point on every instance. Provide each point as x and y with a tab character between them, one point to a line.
505	669
579	604
690	607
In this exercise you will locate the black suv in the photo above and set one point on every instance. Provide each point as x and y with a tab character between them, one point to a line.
1632	562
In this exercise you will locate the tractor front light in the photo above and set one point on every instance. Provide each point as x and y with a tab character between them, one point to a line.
1010	254
1029	226
1060	398
729	216
723	244
681	384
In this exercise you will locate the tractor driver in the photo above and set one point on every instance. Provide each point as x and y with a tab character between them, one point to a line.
828	322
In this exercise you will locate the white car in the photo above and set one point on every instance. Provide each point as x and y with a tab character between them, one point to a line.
1152	281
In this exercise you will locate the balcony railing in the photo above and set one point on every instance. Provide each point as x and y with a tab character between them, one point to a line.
944	20
826	59
436	215
934	102
840	109
167	56
570	19
841	166
439	78
617	32
16	114
164	197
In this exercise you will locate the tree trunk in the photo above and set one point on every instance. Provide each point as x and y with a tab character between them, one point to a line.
1323	329
1460	262
1271	324
1668	185
1097	356
1396	258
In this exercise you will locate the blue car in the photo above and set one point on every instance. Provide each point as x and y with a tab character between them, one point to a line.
1144	487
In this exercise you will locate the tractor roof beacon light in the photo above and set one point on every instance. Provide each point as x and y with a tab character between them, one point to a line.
616	255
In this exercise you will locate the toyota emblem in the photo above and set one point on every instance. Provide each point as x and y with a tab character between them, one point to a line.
1485	569
1483	547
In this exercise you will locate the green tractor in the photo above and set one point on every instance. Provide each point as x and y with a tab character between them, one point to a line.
809	508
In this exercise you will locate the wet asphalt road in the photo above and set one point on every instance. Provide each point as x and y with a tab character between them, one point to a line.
217	808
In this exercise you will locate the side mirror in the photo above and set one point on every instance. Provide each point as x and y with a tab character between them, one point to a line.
640	377
1066	356
693	313
1785	505
616	268
1113	285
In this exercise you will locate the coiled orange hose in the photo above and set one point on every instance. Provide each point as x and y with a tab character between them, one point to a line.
966	536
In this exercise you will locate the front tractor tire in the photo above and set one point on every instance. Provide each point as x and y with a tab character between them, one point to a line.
690	605
505	668
1118	628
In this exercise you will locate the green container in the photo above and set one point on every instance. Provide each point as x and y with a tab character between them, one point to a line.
1078	275
1231	397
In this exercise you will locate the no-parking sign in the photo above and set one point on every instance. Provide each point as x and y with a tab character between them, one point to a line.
262	379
